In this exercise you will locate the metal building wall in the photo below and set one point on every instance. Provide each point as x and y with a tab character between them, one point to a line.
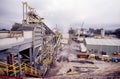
108	49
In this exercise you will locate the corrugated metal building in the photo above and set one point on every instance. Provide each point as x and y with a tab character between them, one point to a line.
106	45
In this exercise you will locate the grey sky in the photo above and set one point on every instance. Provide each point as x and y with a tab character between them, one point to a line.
65	13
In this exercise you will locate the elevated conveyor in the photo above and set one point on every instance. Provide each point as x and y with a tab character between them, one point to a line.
29	48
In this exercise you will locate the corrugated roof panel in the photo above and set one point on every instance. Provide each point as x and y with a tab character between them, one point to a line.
111	42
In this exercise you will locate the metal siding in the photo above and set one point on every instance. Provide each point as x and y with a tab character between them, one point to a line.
110	42
108	49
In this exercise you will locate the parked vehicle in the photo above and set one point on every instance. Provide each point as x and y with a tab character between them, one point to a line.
97	58
105	58
116	53
82	55
104	53
115	59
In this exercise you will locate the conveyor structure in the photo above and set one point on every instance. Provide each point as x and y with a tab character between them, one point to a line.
32	47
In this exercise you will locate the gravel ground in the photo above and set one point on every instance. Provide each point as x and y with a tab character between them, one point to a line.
86	69
83	66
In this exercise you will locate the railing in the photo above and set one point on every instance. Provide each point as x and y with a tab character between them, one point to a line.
16	70
8	68
27	68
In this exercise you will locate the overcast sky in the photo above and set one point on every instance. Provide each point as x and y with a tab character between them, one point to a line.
65	13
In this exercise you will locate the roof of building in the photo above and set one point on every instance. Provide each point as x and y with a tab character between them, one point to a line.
20	27
30	27
110	42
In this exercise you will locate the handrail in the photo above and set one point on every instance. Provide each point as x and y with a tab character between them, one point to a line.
22	69
28	68
8	68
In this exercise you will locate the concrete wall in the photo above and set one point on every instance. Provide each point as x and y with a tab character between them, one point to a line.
4	35
27	34
8	41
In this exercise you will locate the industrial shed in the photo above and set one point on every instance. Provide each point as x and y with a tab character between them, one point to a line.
106	45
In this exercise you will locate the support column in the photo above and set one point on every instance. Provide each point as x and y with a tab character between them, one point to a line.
35	56
19	60
34	51
30	53
10	59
